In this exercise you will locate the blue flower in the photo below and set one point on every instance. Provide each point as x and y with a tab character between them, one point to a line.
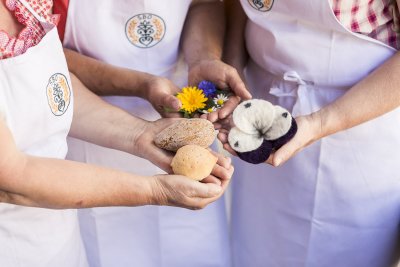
208	88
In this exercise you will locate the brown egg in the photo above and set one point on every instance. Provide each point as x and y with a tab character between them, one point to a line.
186	132
194	162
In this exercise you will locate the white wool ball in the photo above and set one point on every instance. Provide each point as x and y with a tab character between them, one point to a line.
243	142
281	124
254	116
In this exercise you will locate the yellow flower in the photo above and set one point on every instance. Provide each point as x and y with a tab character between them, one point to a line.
192	99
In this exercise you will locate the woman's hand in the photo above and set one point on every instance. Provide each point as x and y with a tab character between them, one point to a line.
180	191
222	171
160	92
226	78
309	131
143	144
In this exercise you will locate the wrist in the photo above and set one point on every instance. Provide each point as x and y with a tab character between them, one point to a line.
131	83
157	194
333	119
204	57
139	191
130	135
151	86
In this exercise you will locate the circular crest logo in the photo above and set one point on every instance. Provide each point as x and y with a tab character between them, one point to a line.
58	94
145	30
262	5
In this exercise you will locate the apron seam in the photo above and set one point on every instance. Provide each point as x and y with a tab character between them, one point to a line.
356	159
315	203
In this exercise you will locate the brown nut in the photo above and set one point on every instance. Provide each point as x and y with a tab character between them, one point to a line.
194	162
186	132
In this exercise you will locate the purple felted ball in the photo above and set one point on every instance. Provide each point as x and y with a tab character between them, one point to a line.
278	143
209	88
260	155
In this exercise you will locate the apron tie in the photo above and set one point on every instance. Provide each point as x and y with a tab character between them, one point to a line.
302	104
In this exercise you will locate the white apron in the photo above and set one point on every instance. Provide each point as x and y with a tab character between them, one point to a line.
36	94
336	203
140	35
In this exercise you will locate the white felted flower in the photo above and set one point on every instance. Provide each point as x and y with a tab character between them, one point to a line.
243	142
220	100
281	124
254	116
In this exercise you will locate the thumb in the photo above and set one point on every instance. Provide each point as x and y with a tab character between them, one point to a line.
284	153
170	101
237	85
210	190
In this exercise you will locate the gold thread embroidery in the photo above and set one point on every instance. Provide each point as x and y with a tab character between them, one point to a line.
160	29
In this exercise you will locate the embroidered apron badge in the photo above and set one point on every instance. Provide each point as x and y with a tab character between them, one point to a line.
262	5
145	30
58	94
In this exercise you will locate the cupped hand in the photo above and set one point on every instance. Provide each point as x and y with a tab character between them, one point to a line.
181	191
222	171
144	146
160	92
225	77
309	130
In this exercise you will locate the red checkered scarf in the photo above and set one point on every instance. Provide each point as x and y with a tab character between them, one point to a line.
379	19
32	32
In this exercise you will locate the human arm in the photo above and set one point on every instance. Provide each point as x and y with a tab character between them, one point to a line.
105	79
372	97
58	184
54	183
235	52
98	122
202	43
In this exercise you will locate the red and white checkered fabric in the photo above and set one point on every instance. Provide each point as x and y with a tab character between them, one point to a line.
33	31
379	19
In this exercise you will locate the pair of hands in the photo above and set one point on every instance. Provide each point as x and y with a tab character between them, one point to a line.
161	94
177	190
160	91
172	189
308	131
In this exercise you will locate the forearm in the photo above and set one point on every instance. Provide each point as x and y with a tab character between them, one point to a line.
235	52
374	96
56	184
203	33
52	183
105	79
98	122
